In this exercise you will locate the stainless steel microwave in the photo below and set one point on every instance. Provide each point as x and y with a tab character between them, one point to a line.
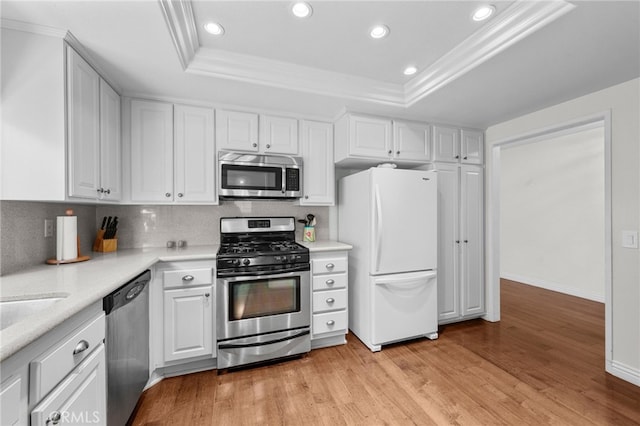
247	175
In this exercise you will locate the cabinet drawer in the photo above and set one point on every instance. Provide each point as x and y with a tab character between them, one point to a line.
188	277
51	367
329	265
328	282
329	322
329	300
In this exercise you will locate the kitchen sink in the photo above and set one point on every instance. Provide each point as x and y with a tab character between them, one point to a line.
12	311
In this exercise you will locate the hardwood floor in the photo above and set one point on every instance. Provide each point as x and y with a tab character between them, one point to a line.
542	364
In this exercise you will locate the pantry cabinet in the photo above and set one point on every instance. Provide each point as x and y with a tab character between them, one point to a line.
182	312
461	288
316	143
168	168
245	131
329	283
93	140
458	146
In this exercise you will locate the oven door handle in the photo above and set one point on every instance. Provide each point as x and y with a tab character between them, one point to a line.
234	277
270	342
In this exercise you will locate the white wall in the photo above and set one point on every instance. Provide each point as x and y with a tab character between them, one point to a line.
623	316
552	213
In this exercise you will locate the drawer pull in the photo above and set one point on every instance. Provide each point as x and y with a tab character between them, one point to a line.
187	278
54	418
330	282
82	346
330	266
330	300
330	323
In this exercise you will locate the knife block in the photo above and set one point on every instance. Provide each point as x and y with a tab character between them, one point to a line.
104	246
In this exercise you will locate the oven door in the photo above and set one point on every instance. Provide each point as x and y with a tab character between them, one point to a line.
257	304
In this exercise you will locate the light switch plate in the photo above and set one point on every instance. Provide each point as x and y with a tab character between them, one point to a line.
630	239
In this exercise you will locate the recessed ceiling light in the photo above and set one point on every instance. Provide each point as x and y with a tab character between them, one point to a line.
379	31
483	12
301	9
214	28
410	70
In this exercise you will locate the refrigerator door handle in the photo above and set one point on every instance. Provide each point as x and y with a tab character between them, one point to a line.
407	286
378	230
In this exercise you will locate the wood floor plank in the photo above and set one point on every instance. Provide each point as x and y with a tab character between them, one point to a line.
543	363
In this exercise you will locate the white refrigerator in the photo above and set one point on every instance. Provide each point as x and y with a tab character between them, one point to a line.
389	216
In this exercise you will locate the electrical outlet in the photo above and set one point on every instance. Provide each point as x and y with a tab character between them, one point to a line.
48	228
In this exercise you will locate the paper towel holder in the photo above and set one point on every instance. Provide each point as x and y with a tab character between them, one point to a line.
80	257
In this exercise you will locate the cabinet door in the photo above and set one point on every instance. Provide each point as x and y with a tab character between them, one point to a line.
10	405
81	398
446	143
83	143
194	154
110	170
151	151
471	233
448	242
317	156
412	141
236	130
278	135
370	137
472	147
188	323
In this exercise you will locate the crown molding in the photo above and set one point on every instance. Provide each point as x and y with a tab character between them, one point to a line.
178	15
12	24
518	21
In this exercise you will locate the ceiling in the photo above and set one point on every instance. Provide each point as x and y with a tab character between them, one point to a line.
529	55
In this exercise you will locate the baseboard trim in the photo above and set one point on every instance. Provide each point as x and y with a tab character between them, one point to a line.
624	372
549	285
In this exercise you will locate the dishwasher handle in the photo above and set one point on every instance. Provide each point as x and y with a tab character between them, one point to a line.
126	293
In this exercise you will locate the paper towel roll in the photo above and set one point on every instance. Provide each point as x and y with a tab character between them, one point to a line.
67	237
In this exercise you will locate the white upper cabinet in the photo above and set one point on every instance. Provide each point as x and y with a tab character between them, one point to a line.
316	145
365	140
83	91
236	131
164	169
278	135
458	146
412	141
472	147
194	161
151	151
93	140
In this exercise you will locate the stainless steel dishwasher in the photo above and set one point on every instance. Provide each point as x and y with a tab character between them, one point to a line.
127	343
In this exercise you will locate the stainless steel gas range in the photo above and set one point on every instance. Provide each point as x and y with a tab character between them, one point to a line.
263	291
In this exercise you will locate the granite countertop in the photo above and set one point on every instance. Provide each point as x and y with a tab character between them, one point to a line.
82	284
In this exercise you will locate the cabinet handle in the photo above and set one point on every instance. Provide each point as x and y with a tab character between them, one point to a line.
187	278
168	194
255	145
390	152
207	294
330	323
100	190
330	266
465	157
457	156
268	146
82	346
180	194
330	282
108	191
457	241
306	197
54	418
397	152
330	300
466	241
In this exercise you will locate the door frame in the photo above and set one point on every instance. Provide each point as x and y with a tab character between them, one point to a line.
493	211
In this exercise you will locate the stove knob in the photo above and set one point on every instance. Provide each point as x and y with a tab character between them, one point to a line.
236	262
246	262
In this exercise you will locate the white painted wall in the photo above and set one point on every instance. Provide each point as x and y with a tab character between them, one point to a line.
623	316
552	214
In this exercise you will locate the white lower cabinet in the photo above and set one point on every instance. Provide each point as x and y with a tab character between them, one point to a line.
80	398
329	298
11	408
461	286
182	310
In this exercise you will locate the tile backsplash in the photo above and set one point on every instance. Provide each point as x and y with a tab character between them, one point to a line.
22	242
